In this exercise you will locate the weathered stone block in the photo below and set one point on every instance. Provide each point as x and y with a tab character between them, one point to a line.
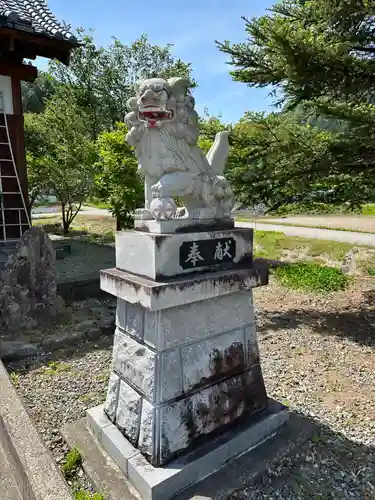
28	283
206	362
170	375
208	411
160	483
129	317
161	431
121	313
252	349
134	319
147	430
157	377
128	415
198	321
134	362
156	256
185	351
112	397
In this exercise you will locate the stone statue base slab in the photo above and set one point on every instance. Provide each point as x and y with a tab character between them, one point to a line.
164	256
183	225
157	295
163	483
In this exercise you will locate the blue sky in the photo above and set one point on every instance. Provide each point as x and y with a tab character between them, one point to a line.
191	26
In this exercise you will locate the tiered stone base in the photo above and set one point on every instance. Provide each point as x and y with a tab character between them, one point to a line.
186	391
166	482
169	389
184	373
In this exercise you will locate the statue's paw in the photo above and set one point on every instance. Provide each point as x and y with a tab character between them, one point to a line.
181	212
157	191
142	214
163	208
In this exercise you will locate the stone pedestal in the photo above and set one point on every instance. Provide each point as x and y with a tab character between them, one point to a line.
186	371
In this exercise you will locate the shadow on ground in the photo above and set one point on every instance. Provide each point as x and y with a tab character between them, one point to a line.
65	353
306	460
358	325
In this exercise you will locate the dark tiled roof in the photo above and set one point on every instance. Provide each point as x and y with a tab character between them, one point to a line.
33	16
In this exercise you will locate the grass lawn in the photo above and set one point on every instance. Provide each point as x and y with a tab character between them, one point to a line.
278	246
94	202
97	204
96	228
368	209
313	265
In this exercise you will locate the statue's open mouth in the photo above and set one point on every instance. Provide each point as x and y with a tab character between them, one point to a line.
153	114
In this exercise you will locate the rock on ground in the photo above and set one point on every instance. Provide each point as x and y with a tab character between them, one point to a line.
28	283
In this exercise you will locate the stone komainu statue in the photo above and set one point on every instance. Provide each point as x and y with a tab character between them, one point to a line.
163	128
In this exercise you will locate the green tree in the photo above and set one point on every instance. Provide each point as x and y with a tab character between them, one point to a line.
116	180
62	155
36	94
273	158
102	79
209	126
319	54
35	140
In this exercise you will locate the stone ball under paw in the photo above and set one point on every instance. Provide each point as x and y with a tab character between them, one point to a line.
164	208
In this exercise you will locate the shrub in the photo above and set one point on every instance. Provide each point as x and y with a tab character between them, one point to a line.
311	277
368	209
84	495
72	461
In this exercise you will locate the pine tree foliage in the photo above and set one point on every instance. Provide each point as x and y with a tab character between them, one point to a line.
319	55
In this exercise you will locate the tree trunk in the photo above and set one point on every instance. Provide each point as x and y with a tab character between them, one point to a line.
66	226
118	223
65	220
31	201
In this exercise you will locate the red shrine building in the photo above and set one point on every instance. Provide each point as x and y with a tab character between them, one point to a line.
27	29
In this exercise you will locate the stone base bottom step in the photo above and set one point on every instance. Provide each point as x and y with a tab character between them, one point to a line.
173	479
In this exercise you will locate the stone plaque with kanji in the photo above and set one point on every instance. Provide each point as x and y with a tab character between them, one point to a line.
194	254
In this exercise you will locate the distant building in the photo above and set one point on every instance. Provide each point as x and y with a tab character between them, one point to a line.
27	29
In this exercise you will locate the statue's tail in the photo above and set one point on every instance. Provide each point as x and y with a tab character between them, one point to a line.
218	154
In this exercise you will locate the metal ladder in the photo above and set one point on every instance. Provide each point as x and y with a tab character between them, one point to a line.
14	216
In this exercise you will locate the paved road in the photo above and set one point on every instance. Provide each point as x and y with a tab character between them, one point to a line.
350	222
320	234
304	232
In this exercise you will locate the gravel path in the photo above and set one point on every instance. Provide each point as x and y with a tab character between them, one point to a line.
317	356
